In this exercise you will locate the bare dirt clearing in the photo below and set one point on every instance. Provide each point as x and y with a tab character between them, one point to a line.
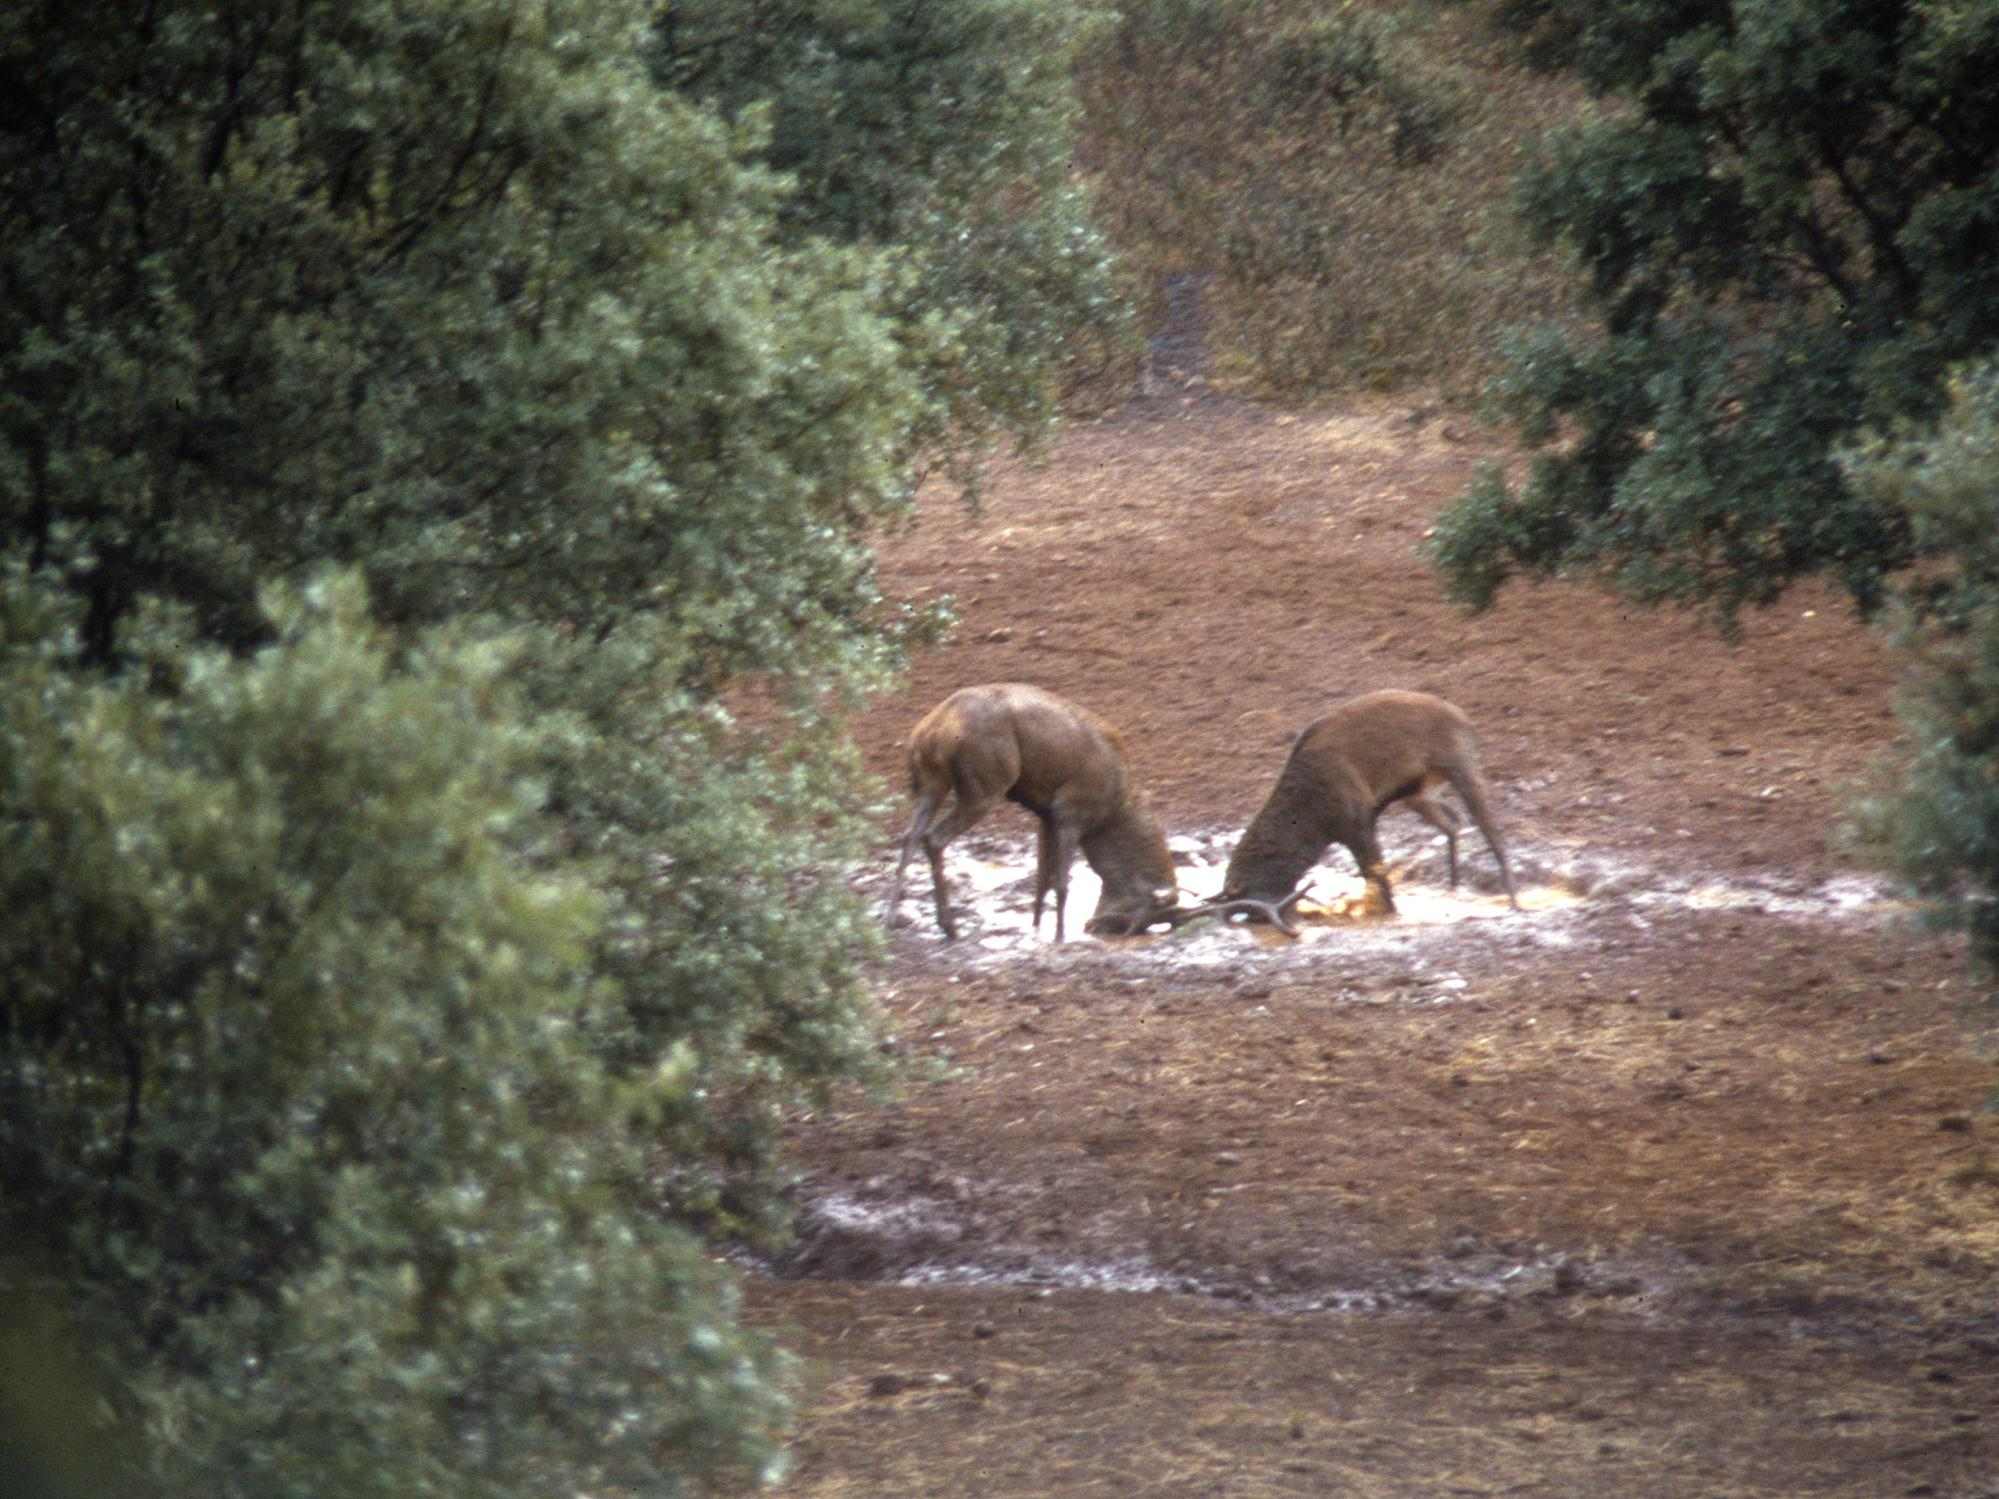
1674	1182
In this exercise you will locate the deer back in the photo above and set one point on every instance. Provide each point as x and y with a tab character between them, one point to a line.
1014	740
1380	747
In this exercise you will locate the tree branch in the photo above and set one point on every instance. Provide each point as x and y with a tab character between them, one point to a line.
1880	231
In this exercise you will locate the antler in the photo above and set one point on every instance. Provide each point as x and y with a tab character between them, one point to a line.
1271	911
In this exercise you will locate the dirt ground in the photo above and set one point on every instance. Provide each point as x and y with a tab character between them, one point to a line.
1675	1182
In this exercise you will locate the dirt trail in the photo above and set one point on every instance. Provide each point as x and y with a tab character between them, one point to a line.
1673	1183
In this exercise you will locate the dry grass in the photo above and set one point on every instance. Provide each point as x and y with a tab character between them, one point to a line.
1083	1397
1358	240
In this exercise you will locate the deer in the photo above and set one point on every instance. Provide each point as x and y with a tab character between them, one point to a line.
1014	742
1344	770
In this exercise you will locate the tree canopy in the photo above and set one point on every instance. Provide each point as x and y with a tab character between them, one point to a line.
447	291
1935	821
421	427
1790	221
945	131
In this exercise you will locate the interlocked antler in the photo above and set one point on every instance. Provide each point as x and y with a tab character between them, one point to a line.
1273	912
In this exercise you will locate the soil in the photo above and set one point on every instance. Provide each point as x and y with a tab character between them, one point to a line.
1675	1182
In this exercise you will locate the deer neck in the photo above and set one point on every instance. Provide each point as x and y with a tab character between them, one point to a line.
1305	811
1128	852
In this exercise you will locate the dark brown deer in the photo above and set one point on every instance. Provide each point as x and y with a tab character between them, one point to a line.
1012	742
1343	772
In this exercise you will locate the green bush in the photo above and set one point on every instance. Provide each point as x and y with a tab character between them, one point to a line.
1936	818
400	996
301	1083
1787	220
480	310
947	132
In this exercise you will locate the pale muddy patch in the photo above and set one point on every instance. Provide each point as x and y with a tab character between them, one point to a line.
1560	894
992	893
918	1240
1843	896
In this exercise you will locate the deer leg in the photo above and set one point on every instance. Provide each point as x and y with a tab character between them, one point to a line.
1466	782
1059	840
1044	873
954	822
926	813
936	854
1440	816
1366	850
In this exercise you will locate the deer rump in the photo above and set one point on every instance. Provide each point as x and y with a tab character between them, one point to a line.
1008	741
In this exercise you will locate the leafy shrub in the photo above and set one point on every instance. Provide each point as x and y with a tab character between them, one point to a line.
1936	818
946	131
1788	225
301	1079
1787	221
398	994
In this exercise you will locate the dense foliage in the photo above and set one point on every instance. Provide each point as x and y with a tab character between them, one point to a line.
301	1038
1938	825
945	131
447	290
1791	226
419	424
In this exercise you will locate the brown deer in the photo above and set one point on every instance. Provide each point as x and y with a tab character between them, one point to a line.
1009	741
1345	770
